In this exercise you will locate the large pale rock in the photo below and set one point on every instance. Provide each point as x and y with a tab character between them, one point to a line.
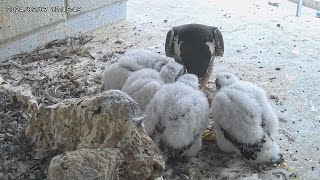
21	94
86	164
108	120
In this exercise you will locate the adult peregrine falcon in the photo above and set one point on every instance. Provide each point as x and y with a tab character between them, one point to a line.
195	46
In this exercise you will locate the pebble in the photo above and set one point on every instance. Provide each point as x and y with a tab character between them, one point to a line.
274	97
50	77
13	123
165	21
2	176
39	174
9	130
9	136
119	41
32	176
2	137
10	177
184	177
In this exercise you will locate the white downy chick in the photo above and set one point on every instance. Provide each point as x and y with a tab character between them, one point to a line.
176	117
245	122
116	74
144	83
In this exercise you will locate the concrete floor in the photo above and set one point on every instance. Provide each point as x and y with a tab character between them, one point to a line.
266	45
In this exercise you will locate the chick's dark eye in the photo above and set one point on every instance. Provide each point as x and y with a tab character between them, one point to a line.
228	77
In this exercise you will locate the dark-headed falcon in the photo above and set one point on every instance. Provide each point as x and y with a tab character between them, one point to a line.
195	46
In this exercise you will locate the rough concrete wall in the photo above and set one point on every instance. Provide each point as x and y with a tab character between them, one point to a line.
15	23
27	24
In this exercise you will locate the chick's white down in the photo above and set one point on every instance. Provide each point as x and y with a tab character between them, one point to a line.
143	84
244	120
116	74
177	115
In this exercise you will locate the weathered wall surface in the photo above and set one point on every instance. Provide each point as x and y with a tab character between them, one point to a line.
27	24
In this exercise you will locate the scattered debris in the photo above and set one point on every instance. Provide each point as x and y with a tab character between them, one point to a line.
103	55
155	46
227	15
165	21
119	41
272	78
274	97
120	52
290	137
17	156
278	69
280	175
51	85
283	120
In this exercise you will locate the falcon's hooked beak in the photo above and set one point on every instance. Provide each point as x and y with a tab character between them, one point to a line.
181	73
219	44
184	71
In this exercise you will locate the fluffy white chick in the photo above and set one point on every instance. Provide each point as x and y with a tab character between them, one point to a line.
143	84
176	117
245	121
116	74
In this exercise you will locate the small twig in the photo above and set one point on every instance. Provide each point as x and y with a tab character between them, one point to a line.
50	98
85	41
280	174
290	137
18	65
